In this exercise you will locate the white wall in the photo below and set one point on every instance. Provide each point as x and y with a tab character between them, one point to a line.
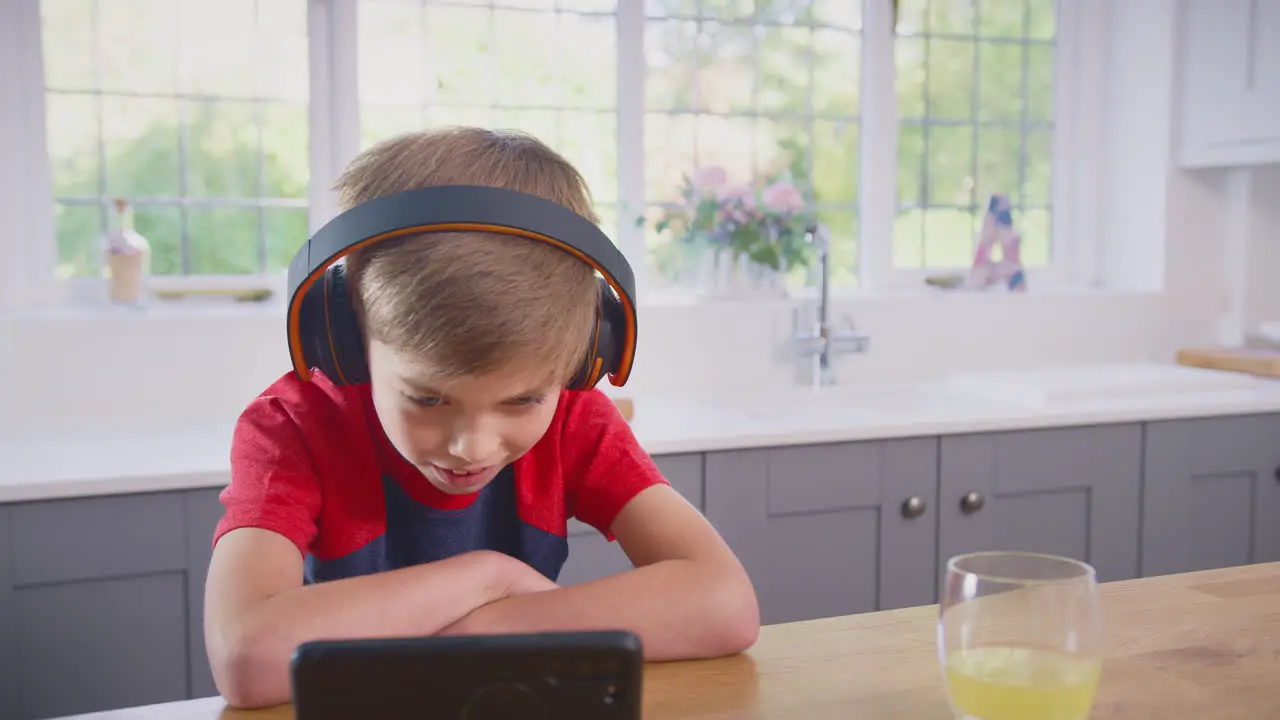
1159	232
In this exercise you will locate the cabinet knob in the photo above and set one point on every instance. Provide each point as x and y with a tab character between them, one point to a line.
1277	474
971	503
913	507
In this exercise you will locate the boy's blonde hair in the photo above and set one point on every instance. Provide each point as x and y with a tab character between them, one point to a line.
469	303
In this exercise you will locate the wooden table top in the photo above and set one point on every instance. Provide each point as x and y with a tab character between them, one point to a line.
1201	645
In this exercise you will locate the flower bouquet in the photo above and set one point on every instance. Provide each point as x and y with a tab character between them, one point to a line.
748	235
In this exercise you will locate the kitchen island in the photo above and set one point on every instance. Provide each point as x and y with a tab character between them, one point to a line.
1202	645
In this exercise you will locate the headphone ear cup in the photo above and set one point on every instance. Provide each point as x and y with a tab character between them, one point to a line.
604	348
346	341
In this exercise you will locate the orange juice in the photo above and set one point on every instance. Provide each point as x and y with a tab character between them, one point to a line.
1015	683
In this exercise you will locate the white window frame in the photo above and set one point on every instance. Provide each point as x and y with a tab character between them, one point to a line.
26	186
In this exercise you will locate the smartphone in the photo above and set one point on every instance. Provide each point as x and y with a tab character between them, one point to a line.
532	676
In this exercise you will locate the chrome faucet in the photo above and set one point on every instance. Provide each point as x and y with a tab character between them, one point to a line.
818	344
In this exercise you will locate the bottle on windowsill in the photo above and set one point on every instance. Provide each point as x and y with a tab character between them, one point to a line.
128	259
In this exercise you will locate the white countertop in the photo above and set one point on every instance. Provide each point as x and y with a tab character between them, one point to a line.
49	466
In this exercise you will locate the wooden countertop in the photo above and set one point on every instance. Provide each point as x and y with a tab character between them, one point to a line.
1201	645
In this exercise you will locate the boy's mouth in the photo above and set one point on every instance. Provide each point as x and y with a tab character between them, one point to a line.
464	478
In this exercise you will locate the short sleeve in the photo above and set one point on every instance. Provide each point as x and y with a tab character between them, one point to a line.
273	482
606	465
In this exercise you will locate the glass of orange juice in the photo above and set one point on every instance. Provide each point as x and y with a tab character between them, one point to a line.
1020	636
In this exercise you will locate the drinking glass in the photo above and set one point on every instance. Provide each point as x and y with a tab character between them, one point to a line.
1020	636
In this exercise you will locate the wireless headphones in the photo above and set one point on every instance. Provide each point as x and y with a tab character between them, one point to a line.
324	332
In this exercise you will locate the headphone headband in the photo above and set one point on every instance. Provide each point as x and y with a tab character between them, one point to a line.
460	208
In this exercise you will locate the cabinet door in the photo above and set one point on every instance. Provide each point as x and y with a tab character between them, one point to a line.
203	511
592	557
1230	82
1211	493
97	604
822	529
1072	492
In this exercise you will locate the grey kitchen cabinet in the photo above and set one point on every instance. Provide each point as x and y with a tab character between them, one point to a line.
827	530
591	556
1073	492
203	511
93	607
1211	493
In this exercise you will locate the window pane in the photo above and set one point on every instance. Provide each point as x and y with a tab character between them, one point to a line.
281	70
1035	227
69	42
910	164
782	145
950	79
1000	81
998	157
73	144
836	72
217	50
835	162
910	76
139	45
950	165
842	227
1040	83
1038	190
285	150
1043	19
591	144
670	154
222	149
986	122
725	62
379	122
948	237
669	83
727	142
1001	18
168	104
79	233
591	80
393	55
141	141
671	8
224	241
528	57
459	48
783	64
161	225
286	231
837	13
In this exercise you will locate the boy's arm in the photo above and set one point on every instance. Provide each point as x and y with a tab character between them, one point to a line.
688	597
257	611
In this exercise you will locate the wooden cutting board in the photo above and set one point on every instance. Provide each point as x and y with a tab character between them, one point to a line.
626	407
1254	361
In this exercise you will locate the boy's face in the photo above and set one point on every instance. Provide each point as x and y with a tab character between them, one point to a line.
459	432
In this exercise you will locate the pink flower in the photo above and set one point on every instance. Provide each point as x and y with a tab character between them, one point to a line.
783	197
739	203
708	180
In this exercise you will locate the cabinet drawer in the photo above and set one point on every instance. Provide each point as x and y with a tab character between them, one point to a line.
99	537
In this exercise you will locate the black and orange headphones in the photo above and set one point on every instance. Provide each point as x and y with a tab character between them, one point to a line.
324	332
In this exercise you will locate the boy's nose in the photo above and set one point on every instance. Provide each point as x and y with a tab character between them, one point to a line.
473	448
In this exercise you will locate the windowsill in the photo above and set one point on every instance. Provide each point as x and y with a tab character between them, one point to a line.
83	309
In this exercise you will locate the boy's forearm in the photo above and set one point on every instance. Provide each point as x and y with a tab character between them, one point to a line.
412	601
681	609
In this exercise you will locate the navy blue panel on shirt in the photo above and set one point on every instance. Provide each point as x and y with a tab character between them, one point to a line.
417	534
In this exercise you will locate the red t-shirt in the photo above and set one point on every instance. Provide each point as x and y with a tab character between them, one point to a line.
309	460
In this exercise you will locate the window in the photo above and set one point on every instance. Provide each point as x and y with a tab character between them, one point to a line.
196	113
975	86
542	66
755	89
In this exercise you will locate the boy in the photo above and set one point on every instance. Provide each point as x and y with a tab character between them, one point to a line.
421	502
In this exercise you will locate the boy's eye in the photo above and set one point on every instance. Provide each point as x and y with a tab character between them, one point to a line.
424	400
